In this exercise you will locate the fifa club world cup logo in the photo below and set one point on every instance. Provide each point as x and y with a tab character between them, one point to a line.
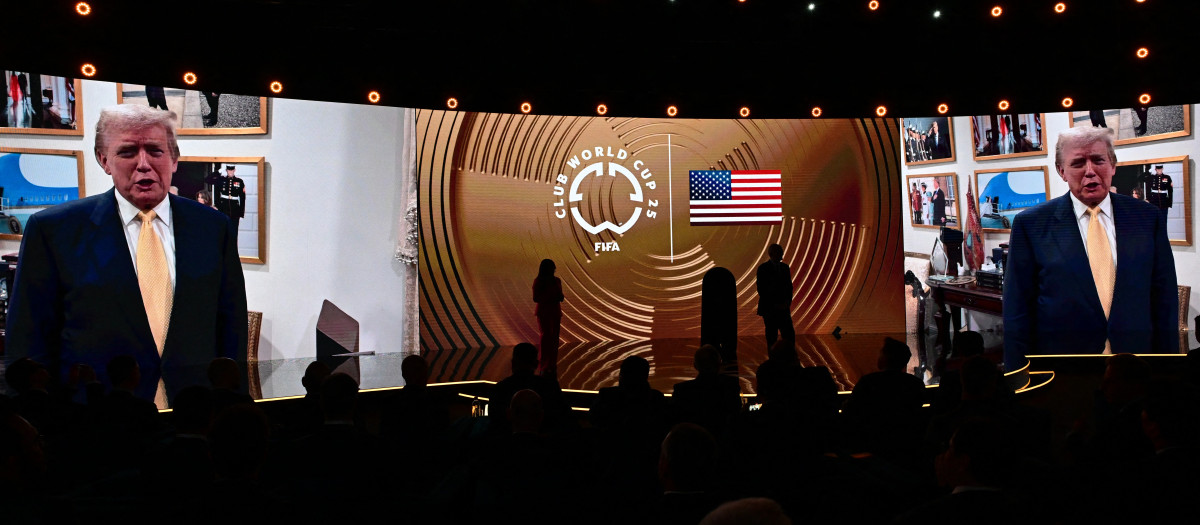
630	179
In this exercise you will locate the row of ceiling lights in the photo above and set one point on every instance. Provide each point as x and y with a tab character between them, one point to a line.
374	97
189	78
84	8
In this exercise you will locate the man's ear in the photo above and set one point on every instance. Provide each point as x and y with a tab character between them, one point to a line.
102	159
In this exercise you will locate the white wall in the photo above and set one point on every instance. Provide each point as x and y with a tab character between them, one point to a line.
333	203
1187	261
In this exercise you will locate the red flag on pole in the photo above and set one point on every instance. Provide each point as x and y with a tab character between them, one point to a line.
973	241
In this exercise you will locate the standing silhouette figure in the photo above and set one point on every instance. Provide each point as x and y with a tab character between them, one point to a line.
548	294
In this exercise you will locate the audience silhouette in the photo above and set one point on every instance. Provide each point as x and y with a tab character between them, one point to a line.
637	456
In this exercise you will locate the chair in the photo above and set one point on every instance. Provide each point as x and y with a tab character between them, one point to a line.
254	329
1185	296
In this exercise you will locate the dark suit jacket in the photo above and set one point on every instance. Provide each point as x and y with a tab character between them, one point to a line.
939	150
774	282
939	207
76	298
1050	300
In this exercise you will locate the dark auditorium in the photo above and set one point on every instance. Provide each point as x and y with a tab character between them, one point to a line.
422	262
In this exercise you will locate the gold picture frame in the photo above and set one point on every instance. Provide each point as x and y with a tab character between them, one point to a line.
53	90
1139	175
1002	189
21	197
1168	122
926	215
992	137
248	116
927	150
195	174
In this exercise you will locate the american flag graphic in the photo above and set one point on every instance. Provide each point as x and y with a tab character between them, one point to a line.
723	197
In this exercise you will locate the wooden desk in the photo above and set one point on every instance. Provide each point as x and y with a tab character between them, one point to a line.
970	296
957	297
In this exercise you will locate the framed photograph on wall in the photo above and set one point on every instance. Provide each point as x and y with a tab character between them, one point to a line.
32	180
202	112
234	186
1165	183
40	104
1003	193
933	200
1007	136
927	140
1142	124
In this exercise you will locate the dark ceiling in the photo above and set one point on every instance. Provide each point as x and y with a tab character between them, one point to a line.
707	57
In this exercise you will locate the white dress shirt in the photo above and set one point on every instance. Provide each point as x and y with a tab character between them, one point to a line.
1106	220
162	226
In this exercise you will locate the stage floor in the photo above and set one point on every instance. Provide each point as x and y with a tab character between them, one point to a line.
591	366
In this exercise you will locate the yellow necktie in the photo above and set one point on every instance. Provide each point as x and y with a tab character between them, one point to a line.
1100	259
154	279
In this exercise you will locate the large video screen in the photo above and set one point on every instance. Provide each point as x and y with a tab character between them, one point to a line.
635	211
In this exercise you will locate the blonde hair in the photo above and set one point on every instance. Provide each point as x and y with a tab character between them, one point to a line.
1083	136
114	119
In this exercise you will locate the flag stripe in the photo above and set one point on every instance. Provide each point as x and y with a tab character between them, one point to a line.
733	204
723	197
740	202
740	173
746	211
736	220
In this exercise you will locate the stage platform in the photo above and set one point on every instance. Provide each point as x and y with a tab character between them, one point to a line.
590	366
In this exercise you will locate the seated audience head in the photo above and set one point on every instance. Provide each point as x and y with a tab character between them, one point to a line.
238	441
81	374
1126	379
967	344
980	379
1192	368
816	387
748	511
25	374
776	380
1171	415
525	412
339	395
687	459
978	456
635	372
894	355
783	351
192	411
707	360
316	373
223	374
524	358
415	371
124	373
22	459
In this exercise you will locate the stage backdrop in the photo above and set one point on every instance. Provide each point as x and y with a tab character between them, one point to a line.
614	202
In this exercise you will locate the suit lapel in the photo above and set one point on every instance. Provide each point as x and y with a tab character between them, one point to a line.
1128	244
115	266
185	257
1070	244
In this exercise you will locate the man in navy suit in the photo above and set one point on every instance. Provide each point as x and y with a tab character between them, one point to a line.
78	298
774	283
1052	302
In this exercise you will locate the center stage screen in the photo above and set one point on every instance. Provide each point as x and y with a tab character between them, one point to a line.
614	202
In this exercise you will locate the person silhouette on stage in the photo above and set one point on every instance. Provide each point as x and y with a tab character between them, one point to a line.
548	294
774	282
